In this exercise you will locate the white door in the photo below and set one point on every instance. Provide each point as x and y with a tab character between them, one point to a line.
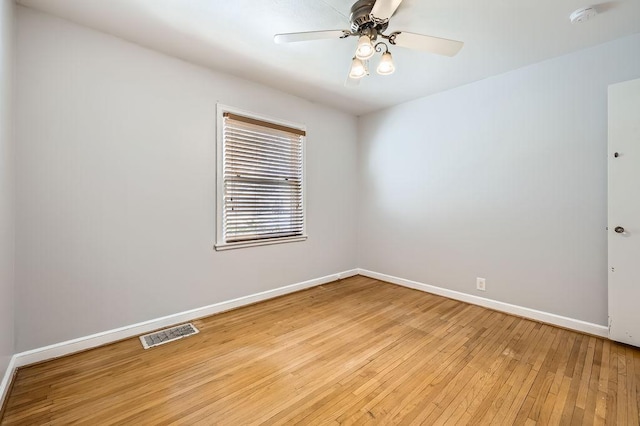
624	212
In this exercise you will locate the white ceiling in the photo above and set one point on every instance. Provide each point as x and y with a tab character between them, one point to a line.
237	37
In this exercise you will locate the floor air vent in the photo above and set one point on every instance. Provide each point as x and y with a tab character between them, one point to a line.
167	335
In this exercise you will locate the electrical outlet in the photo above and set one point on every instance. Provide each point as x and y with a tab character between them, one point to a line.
480	284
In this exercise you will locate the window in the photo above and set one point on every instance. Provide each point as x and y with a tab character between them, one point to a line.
260	197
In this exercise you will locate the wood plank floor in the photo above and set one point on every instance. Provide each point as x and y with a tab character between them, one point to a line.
357	351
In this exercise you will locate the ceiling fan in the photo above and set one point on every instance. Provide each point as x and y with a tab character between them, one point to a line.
369	19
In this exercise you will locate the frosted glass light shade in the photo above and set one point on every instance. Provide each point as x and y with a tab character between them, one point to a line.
358	70
365	48
386	66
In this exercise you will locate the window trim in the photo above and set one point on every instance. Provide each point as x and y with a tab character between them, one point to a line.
220	243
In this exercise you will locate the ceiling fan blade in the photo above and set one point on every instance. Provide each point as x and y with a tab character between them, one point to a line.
440	46
310	35
384	9
352	82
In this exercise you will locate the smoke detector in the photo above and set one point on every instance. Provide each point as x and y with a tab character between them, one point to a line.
583	14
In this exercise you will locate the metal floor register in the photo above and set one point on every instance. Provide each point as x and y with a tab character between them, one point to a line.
168	335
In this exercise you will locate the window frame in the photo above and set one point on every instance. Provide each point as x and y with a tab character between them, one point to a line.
221	244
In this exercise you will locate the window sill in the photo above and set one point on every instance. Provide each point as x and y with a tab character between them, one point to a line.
231	246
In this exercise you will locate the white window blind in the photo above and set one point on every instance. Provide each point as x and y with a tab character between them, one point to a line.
262	180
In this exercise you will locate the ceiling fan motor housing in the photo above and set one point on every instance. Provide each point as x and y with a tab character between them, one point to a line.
362	20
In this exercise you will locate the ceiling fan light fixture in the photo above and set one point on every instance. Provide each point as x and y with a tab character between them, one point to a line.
369	20
358	69
386	65
365	48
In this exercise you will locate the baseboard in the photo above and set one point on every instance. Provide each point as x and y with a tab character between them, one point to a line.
546	317
99	339
83	343
5	384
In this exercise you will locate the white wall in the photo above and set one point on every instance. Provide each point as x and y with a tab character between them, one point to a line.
7	196
116	180
503	179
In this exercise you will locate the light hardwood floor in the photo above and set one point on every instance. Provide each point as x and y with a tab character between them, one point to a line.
354	351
